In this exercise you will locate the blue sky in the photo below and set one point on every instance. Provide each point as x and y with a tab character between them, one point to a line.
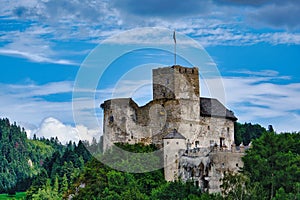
255	45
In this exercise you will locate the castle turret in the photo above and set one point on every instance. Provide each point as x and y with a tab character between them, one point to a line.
173	142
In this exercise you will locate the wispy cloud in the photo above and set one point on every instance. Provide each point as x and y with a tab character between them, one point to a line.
33	44
42	24
266	74
36	57
254	98
28	102
260	99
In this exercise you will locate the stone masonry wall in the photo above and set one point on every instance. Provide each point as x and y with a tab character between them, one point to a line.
206	166
214	130
171	158
176	82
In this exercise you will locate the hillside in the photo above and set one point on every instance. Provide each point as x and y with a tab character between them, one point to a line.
20	159
46	169
32	164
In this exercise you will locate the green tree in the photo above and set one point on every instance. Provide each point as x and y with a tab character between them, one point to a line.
245	133
46	193
273	162
235	186
64	184
55	185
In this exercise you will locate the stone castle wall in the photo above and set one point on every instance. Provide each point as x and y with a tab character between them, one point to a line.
207	150
206	166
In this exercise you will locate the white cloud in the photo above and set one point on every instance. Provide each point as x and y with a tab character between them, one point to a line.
33	44
42	25
33	90
265	73
259	99
28	103
35	57
51	127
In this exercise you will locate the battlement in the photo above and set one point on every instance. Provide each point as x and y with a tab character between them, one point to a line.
186	70
177	68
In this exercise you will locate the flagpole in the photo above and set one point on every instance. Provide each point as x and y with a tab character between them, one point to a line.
174	37
175	53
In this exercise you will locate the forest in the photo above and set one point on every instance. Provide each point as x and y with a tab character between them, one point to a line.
43	168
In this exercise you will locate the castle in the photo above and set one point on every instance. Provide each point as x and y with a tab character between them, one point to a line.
196	133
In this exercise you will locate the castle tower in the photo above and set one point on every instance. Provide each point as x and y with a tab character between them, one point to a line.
176	82
180	84
173	142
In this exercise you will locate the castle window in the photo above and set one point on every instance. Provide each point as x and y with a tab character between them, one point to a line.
228	129
222	141
111	119
197	143
208	127
191	125
167	81
167	142
177	143
132	137
237	164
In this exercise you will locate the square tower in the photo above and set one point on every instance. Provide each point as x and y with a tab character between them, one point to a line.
176	82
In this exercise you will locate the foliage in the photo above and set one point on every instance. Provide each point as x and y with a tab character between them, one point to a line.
49	170
176	190
273	164
20	158
245	133
102	181
47	192
133	158
98	181
58	172
235	186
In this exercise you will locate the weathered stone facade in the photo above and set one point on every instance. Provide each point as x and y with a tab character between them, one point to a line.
181	122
